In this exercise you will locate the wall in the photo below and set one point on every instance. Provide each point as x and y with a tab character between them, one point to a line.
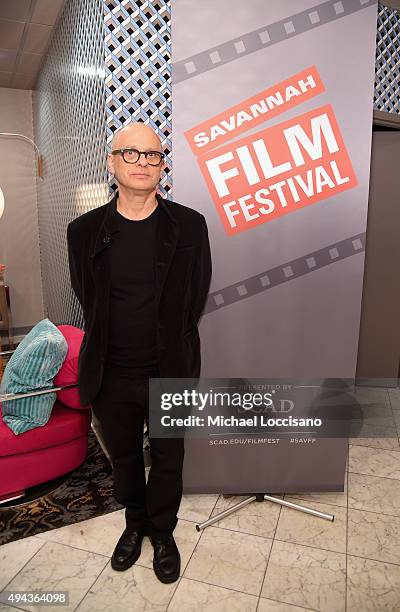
69	123
378	350
19	238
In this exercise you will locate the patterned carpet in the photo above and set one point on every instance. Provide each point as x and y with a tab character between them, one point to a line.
85	493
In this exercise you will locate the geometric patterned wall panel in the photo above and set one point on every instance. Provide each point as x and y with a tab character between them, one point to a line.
138	69
69	120
387	69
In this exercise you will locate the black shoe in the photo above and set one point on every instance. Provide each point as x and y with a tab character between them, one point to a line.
127	550
167	560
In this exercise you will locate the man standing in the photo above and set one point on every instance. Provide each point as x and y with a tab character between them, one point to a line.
140	267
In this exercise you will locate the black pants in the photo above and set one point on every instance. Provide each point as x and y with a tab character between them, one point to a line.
122	407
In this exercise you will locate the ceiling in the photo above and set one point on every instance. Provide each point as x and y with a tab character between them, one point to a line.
26	27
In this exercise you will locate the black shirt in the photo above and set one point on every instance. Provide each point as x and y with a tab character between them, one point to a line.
132	338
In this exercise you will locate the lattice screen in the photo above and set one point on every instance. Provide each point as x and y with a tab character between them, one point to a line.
138	68
387	70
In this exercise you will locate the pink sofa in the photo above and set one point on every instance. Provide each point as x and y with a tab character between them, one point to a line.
47	452
44	453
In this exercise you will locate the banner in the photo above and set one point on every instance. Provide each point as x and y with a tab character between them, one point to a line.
272	123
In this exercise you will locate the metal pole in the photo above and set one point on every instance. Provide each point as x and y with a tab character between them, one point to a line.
225	513
275	500
7	397
283	502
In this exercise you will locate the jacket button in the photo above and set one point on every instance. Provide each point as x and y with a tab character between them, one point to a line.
106	239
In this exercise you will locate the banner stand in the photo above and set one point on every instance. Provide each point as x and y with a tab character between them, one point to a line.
260	497
277	160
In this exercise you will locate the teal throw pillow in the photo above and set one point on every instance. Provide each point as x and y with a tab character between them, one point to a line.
33	366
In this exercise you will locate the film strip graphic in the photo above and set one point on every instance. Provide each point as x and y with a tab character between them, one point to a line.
285	272
265	36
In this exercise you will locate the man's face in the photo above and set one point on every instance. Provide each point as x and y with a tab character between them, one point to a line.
140	176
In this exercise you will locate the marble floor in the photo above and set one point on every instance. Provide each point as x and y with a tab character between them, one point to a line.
265	558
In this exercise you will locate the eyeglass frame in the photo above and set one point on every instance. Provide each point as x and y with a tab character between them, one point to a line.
145	153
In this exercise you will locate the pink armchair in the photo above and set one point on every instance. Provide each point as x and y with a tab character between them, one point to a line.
47	452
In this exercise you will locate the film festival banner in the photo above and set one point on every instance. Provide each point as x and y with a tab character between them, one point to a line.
272	124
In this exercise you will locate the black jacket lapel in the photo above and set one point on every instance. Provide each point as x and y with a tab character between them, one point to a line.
167	239
107	228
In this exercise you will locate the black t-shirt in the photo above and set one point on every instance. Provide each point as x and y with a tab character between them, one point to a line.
132	338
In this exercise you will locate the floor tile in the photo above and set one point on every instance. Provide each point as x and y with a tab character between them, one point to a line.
301	528
373	415
372	586
374	494
334	499
268	605
258	518
197	508
375	536
396	416
389	441
136	589
230	559
369	395
192	596
14	555
377	427
57	567
374	462
98	535
307	577
394	398
186	537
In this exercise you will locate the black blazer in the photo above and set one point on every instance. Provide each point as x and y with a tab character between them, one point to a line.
183	274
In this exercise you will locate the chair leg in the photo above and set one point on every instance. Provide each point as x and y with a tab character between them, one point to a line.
10	334
96	427
5	314
10	496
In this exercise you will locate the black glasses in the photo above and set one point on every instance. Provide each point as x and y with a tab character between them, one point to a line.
131	156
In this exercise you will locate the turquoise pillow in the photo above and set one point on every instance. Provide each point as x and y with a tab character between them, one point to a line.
33	366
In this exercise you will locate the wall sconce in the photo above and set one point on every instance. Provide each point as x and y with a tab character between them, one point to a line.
39	159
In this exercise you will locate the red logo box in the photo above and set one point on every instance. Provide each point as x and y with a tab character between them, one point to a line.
278	170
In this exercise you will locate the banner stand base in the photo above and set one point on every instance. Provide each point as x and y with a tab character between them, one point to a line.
260	497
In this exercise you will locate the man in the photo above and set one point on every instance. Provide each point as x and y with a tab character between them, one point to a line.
140	267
